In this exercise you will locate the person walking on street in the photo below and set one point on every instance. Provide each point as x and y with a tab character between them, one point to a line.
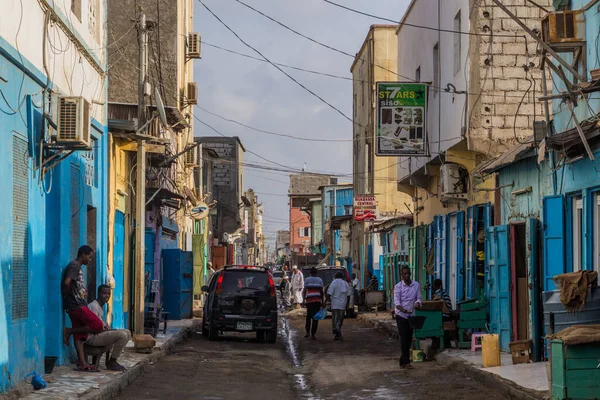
355	287
407	297
297	286
313	298
339	295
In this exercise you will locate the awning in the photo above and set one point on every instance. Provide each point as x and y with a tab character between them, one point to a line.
569	142
336	222
387	224
514	154
164	197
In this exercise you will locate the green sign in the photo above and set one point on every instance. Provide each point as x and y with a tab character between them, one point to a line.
401	119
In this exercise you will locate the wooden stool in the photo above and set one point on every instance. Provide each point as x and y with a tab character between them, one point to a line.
476	340
94	351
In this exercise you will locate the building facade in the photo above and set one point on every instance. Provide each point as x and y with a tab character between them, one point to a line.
52	57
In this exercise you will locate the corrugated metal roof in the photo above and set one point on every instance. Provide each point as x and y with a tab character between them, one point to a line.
514	154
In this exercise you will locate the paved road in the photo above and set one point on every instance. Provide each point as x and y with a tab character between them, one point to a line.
363	366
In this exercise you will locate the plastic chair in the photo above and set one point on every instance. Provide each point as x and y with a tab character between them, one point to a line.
476	340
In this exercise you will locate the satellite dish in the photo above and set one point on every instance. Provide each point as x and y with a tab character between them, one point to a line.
160	106
200	211
190	195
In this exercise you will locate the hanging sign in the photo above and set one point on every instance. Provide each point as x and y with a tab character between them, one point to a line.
401	119
365	208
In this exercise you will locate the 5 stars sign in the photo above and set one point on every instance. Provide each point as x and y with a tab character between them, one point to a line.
401	119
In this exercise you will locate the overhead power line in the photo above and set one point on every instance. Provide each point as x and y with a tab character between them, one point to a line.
274	65
408	24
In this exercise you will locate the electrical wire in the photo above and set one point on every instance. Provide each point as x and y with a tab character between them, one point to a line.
276	66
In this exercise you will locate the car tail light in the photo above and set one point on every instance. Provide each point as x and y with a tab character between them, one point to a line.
272	286
219	284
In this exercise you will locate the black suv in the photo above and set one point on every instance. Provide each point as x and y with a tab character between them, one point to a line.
241	298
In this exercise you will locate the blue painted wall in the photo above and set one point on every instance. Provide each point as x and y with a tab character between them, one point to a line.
337	201
25	342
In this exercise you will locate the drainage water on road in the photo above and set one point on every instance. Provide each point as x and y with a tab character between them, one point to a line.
288	335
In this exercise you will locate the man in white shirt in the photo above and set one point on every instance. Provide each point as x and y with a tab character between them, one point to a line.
297	286
339	295
114	339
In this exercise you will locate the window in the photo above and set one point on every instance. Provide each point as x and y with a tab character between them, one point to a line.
304	232
577	234
93	26
596	246
436	68
418	74
457	44
76	8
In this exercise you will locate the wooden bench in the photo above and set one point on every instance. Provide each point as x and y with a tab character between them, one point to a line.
94	351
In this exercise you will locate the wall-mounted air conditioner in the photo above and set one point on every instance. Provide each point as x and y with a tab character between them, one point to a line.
191	157
194	45
451	181
192	93
73	125
564	27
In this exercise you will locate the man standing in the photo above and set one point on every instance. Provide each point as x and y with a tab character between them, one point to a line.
114	339
313	298
74	295
339	295
297	286
355	287
407	297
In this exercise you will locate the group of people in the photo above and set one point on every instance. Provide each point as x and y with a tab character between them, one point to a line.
88	322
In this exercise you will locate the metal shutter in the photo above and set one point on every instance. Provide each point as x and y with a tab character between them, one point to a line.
20	244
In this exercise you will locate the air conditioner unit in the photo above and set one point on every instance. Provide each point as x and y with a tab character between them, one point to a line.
73	125
450	180
191	157
194	45
564	27
192	93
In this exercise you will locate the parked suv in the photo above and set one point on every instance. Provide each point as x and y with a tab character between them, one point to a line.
241	298
327	274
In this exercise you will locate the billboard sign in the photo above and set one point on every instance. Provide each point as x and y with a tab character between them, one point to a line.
365	208
401	119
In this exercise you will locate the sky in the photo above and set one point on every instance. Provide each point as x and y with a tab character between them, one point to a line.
257	94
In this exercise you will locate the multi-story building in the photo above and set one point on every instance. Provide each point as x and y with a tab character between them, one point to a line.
337	208
282	244
171	49
481	101
303	187
228	183
376	61
53	143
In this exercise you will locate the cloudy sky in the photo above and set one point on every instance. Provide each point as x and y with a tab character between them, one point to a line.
257	94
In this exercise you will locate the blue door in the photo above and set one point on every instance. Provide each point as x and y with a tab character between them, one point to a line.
460	256
441	249
471	266
534	289
118	271
186	293
498	282
554	239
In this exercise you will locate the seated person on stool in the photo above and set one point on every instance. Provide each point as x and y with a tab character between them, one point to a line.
114	339
440	294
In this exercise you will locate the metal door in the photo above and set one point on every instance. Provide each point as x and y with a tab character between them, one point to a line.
451	281
554	239
460	256
118	271
440	247
421	252
471	264
498	283
187	283
412	253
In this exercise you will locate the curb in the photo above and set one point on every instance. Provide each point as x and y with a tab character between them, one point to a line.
385	328
113	388
491	381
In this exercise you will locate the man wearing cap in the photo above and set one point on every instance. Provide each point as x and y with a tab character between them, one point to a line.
297	286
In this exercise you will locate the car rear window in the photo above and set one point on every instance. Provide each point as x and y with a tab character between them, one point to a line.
277	274
245	281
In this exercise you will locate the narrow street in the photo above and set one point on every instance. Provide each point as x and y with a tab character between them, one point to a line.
363	366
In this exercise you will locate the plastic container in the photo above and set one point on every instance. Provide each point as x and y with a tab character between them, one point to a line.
417	356
490	350
49	363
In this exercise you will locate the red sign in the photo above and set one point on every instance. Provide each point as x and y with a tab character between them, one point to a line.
365	208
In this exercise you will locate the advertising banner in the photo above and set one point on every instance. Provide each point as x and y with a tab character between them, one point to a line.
365	208
401	119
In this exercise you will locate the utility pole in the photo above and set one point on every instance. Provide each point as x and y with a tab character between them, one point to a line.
140	198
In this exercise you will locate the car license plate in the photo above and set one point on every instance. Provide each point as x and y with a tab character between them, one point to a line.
244	326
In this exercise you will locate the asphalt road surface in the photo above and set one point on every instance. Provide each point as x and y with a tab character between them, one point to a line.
363	366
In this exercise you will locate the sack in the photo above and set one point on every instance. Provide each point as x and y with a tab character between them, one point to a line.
322	314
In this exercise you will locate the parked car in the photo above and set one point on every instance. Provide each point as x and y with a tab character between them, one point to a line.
327	274
277	277
241	298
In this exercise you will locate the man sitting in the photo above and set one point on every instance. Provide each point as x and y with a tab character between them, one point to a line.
114	339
